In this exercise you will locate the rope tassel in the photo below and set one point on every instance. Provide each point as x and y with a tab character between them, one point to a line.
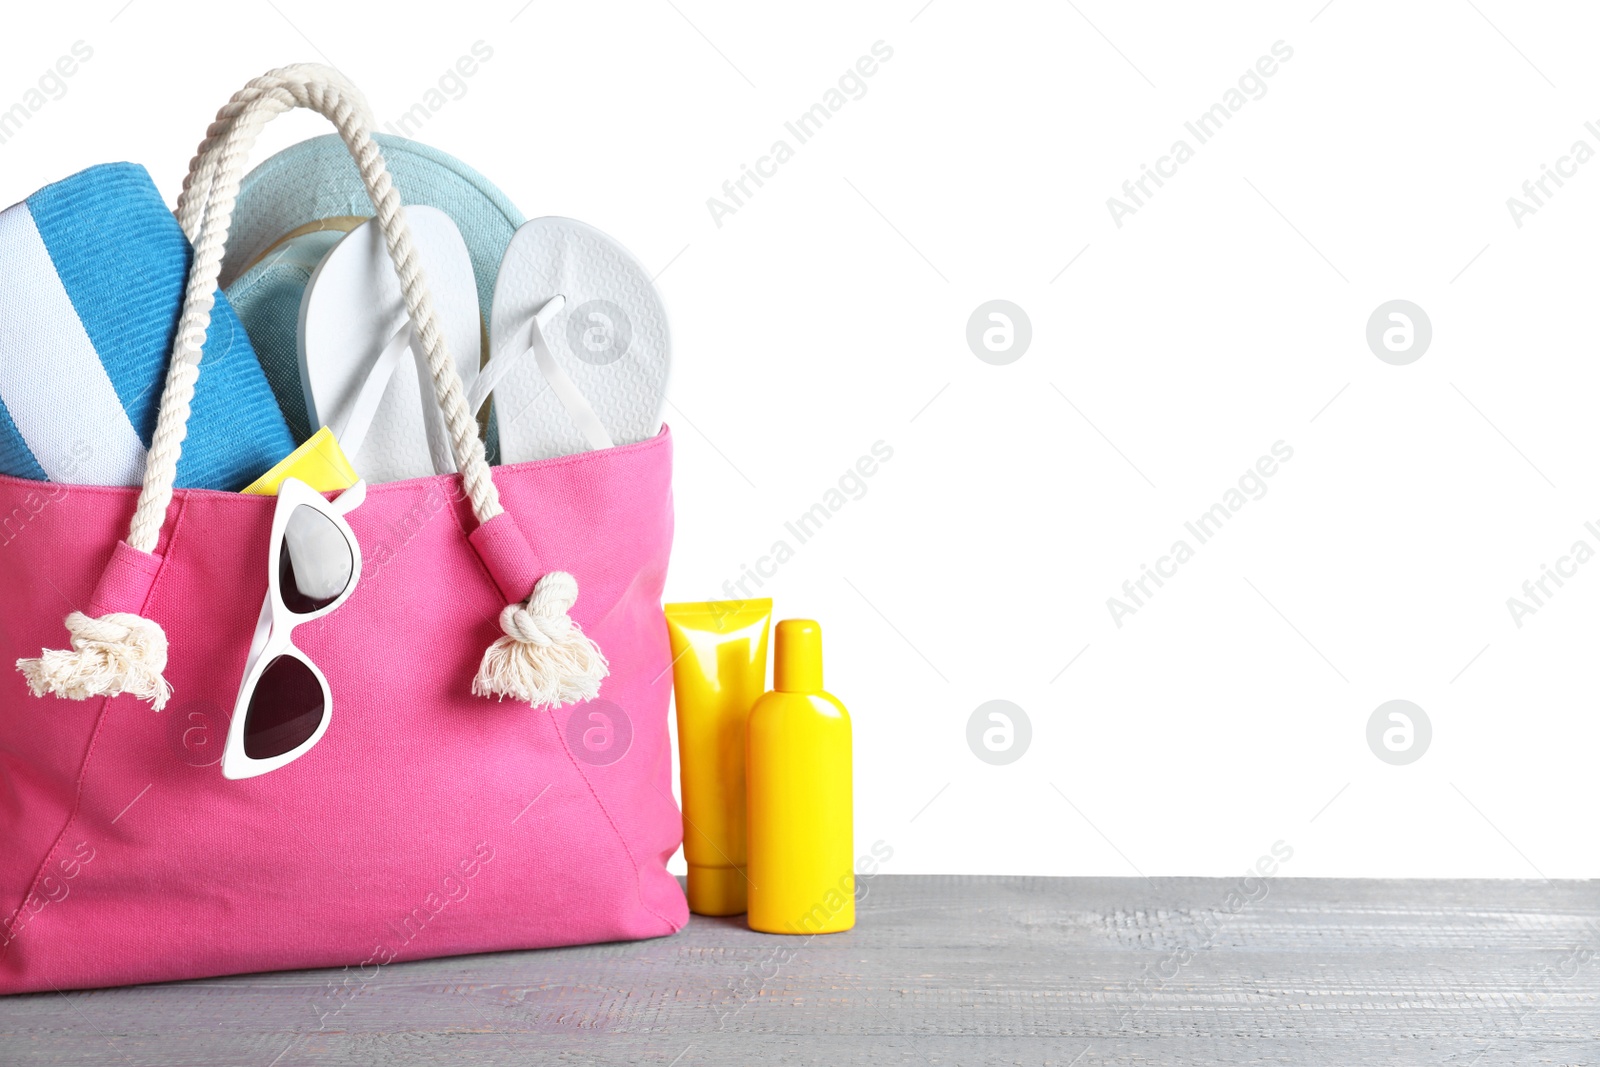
545	659
115	649
114	654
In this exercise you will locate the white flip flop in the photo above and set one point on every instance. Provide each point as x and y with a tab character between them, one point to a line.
354	335
587	313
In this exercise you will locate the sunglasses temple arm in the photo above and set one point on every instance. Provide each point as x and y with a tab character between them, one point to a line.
350	499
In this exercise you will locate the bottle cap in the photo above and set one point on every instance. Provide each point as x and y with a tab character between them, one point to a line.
718	890
798	664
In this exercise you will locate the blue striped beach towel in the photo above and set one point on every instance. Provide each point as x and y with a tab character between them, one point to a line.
92	271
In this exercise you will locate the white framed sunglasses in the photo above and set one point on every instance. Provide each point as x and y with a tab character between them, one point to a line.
314	562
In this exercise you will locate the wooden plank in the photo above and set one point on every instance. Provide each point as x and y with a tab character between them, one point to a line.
940	970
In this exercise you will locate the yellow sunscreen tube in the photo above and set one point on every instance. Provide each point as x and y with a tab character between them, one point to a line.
719	669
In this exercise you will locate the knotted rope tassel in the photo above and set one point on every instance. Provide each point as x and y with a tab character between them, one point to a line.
544	659
114	654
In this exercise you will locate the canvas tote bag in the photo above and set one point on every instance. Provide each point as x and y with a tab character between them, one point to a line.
429	820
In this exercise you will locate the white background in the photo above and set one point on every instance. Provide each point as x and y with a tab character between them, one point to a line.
829	312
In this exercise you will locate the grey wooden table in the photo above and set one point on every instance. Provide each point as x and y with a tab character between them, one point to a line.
939	970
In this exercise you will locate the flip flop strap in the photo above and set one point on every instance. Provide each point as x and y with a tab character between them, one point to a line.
205	211
566	390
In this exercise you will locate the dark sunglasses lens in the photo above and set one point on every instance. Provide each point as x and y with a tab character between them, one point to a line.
285	710
315	562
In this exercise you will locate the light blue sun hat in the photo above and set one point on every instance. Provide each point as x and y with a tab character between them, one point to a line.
295	206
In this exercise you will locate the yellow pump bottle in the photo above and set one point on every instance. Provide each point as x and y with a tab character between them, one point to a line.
801	846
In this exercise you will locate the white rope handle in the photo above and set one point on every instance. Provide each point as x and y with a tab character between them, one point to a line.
205	211
544	659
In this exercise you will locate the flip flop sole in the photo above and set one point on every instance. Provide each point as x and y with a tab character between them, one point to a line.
352	308
610	338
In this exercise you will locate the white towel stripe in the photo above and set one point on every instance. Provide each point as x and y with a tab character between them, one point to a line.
51	379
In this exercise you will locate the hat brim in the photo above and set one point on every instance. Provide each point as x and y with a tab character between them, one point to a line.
317	179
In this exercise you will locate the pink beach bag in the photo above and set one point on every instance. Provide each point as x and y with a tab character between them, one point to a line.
428	821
